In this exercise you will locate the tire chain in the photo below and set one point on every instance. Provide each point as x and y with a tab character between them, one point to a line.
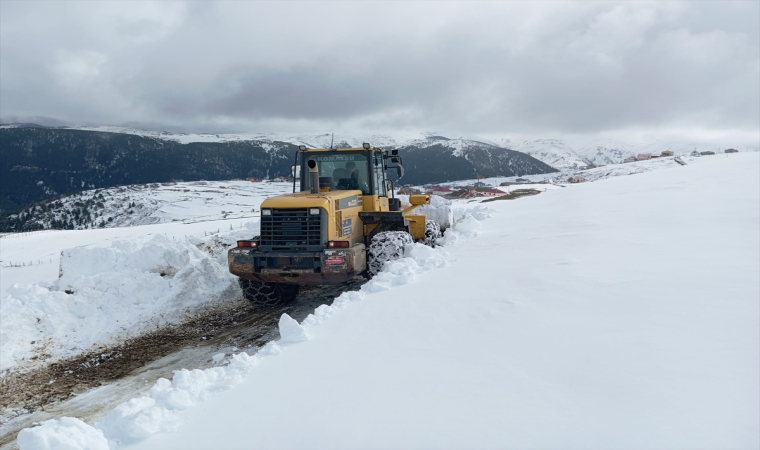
432	233
386	246
260	294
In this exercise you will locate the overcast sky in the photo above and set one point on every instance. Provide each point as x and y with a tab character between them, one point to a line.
600	68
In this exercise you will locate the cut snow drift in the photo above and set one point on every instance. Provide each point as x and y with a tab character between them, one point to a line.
67	433
291	331
105	295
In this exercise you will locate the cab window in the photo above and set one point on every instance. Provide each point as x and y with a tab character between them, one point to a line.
379	174
343	171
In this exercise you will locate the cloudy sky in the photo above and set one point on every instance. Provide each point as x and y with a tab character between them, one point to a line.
674	69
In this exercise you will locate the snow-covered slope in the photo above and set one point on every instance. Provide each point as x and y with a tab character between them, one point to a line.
601	152
614	314
575	153
144	204
315	139
554	152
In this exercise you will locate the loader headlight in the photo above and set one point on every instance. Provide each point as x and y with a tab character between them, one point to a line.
366	145
266	212
314	211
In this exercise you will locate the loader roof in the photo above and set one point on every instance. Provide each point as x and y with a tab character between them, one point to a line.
346	149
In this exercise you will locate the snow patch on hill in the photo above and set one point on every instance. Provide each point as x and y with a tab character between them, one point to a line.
154	203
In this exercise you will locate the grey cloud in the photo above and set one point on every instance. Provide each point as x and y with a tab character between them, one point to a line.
503	67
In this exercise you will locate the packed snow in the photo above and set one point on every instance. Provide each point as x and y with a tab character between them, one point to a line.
67	433
617	314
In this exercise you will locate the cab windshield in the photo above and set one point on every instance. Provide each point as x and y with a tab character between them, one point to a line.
339	171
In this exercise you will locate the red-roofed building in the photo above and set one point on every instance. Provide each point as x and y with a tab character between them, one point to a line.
493	193
440	190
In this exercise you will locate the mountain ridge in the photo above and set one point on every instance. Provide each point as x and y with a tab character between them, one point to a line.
42	163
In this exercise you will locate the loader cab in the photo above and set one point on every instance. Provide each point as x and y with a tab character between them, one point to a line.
362	169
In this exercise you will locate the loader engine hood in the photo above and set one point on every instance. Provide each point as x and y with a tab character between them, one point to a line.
330	201
307	221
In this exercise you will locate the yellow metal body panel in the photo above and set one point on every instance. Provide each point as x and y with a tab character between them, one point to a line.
375	203
417	225
419	199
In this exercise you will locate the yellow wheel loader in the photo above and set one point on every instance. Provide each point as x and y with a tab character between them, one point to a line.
344	222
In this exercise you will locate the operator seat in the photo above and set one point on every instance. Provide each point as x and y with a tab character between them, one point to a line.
342	179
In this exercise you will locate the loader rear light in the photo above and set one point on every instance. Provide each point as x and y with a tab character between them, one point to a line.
338	244
247	244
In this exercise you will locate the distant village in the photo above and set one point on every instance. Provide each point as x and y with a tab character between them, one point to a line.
274	180
477	189
481	189
647	156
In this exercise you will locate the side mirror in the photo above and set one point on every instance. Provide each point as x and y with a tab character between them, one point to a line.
400	171
395	159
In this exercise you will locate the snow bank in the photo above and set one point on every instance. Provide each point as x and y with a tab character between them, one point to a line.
466	224
157	411
438	210
67	433
105	294
291	331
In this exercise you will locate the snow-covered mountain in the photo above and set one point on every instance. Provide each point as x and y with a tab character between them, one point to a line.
554	152
575	153
481	157
41	163
569	153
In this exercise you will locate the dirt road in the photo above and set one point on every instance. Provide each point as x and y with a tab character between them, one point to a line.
90	385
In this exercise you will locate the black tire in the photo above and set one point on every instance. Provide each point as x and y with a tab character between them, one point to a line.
432	233
268	294
386	246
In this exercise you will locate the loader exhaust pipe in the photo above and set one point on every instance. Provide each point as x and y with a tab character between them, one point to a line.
313	176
